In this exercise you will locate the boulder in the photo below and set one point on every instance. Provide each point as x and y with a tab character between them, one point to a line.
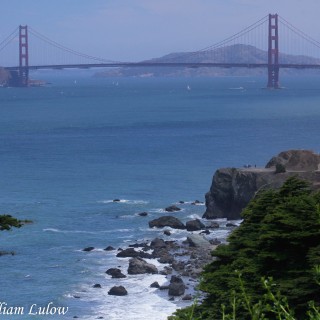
118	291
88	249
109	248
128	253
194	225
97	285
197	240
172	208
131	253
116	200
143	214
233	188
155	285
167	233
139	266
115	273
157	243
167	221
176	286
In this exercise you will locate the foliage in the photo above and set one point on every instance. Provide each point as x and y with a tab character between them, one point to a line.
279	238
7	222
280	168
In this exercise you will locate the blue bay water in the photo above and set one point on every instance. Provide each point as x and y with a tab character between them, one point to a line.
68	149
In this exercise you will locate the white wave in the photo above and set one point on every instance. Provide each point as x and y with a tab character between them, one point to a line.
152	304
85	231
194	216
124	201
127	216
158	211
237	88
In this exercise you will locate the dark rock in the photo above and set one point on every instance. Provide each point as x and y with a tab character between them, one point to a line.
143	214
139	266
131	253
176	286
4	253
165	287
168	258
128	253
194	225
77	297
155	285
176	279
178	265
167	221
115	273
118	291
187	297
205	232
109	248
116	200
159	252
157	243
97	285
233	188
172	208
167	232
88	249
181	202
196	202
171	299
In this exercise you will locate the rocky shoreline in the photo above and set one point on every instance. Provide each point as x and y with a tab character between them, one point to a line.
180	261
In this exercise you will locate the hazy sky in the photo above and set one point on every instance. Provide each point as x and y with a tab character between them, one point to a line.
140	29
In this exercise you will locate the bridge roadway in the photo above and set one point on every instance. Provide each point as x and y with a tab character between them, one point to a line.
167	64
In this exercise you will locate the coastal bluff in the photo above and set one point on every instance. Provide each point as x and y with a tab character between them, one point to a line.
233	188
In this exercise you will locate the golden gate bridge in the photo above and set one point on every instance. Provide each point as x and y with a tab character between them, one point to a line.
271	43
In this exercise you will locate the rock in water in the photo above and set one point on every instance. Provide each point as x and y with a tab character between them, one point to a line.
172	208
176	286
139	266
195	225
118	291
115	273
167	221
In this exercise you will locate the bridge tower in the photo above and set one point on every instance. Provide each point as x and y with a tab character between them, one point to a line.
23	56
273	52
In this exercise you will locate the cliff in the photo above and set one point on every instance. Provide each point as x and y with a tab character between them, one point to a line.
233	188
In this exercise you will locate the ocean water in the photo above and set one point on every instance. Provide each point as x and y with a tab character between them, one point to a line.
68	149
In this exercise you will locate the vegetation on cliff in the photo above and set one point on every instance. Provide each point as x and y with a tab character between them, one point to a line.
7	222
279	238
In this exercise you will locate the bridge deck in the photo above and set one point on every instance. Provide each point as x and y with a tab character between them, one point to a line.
167	64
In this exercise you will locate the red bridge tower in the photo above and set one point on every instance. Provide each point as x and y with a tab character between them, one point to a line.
23	56
273	52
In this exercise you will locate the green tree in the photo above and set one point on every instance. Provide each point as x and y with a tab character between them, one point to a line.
279	238
7	222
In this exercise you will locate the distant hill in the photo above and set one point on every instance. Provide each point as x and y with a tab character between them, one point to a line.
233	54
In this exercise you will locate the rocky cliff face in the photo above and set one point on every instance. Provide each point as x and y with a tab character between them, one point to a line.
233	188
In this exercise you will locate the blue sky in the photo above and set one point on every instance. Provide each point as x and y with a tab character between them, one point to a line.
140	29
